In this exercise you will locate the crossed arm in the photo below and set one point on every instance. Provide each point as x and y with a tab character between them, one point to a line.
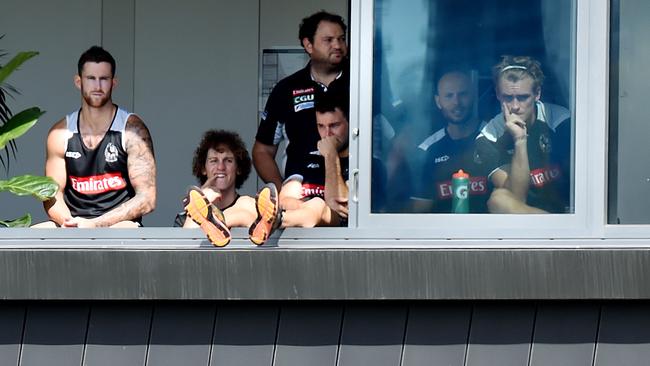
336	190
518	178
265	165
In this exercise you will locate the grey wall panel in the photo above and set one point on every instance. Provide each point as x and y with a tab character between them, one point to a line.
181	334
632	188
55	334
60	31
12	320
118	37
565	335
245	335
308	335
279	19
195	69
372	335
500	334
118	334
624	335
437	335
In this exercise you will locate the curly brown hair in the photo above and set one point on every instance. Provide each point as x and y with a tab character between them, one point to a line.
232	140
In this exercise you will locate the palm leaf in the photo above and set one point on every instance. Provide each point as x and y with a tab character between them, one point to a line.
17	125
14	63
24	221
42	188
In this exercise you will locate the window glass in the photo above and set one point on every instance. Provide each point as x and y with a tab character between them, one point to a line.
436	109
629	170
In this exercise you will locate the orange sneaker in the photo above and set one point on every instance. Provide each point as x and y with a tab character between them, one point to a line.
208	216
268	214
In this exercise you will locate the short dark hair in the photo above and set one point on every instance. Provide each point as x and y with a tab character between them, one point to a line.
211	140
309	25
330	100
514	68
95	54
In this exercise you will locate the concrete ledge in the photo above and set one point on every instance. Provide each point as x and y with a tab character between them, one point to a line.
324	274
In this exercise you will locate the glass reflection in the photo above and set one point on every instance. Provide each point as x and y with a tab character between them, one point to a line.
435	108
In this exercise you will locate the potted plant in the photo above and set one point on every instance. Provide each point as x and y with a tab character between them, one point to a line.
13	126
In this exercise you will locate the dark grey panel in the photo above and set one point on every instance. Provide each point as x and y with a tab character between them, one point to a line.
565	335
372	335
118	36
181	334
118	334
437	335
500	334
308	334
624	335
12	318
244	335
325	274
54	334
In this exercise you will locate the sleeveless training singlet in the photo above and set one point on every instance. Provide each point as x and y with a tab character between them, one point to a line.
97	179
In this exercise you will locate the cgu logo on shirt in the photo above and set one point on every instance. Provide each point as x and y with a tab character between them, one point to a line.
542	176
303	99
98	183
477	185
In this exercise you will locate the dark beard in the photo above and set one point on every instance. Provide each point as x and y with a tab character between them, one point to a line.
102	102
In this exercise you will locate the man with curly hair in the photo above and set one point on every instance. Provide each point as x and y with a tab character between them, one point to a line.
221	164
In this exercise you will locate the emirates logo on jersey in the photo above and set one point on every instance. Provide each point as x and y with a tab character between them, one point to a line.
311	190
98	183
477	186
542	176
302	91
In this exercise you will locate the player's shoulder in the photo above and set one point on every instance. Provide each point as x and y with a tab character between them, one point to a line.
58	129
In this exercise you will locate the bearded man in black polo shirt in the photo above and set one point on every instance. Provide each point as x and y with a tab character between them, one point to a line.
289	112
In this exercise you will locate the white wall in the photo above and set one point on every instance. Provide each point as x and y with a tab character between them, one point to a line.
184	67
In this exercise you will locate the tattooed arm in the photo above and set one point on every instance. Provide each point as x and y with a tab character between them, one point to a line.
142	174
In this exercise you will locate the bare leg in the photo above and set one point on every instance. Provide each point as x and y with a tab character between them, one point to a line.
291	195
119	225
45	225
504	202
125	225
314	212
242	213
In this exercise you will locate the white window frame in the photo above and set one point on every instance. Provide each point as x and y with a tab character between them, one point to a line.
591	100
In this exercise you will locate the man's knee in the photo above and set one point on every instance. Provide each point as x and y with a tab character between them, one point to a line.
45	225
500	201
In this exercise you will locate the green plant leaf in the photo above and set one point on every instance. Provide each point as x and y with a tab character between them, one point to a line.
42	188
24	221
14	63
18	125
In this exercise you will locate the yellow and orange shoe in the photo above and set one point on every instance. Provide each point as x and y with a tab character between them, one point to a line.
268	214
208	216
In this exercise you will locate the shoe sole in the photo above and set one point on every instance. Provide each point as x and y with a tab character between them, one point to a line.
202	212
266	203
